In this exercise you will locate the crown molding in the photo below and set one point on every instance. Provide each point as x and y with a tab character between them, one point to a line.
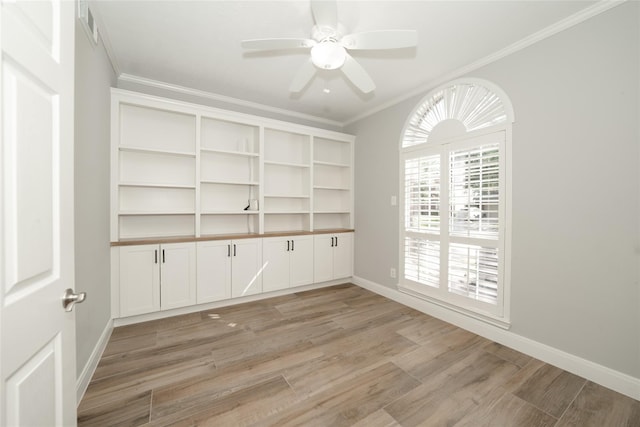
104	36
570	21
223	98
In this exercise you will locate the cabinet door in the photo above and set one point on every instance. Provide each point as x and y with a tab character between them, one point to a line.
301	261
177	275
214	271
343	256
322	257
139	279
246	267
275	258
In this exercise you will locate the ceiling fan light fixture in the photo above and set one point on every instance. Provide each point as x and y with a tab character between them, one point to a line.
328	55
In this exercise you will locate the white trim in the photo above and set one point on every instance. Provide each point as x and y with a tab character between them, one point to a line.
83	380
606	377
222	98
102	34
225	303
570	21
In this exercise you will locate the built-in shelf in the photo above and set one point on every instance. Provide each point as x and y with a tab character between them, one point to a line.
286	196
154	151
291	165
229	212
154	185
182	169
216	181
323	187
132	213
230	152
338	165
285	212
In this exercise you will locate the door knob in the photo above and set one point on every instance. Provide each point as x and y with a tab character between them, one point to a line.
69	299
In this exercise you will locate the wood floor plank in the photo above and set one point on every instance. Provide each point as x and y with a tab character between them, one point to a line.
550	389
238	408
353	401
440	353
597	406
338	366
194	393
336	356
459	387
507	353
380	418
507	410
133	411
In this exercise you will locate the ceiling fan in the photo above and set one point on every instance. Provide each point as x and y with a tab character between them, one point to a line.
329	47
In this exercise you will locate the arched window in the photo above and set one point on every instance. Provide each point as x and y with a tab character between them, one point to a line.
455	150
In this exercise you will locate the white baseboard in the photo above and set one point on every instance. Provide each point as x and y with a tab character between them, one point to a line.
607	377
85	377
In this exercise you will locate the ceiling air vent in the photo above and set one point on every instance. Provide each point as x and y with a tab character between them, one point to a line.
88	23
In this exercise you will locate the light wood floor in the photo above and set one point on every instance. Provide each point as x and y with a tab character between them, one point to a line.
338	356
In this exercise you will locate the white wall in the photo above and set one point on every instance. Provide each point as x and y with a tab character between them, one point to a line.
576	188
93	76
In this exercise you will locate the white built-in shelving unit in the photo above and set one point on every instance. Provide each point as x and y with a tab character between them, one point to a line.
181	169
210	205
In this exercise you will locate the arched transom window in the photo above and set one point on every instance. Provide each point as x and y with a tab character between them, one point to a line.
454	157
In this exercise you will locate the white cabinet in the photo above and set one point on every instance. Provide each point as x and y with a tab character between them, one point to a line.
139	279
214	270
177	275
229	269
333	256
156	277
288	261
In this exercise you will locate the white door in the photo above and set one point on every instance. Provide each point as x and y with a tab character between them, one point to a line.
323	257
178	275
246	267
275	257
343	256
139	279
214	271
37	336
301	271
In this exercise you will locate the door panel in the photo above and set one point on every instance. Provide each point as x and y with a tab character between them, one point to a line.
343	256
37	337
275	257
246	267
214	271
323	258
177	275
139	279
302	261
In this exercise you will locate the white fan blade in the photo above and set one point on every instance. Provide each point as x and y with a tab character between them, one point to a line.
357	75
276	44
303	77
325	13
384	39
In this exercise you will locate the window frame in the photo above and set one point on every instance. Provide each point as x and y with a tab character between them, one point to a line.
443	145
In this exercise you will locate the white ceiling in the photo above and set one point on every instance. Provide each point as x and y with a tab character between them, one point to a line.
196	44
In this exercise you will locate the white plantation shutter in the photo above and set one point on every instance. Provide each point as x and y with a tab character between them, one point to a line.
474	192
453	222
473	272
422	193
453	247
422	261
